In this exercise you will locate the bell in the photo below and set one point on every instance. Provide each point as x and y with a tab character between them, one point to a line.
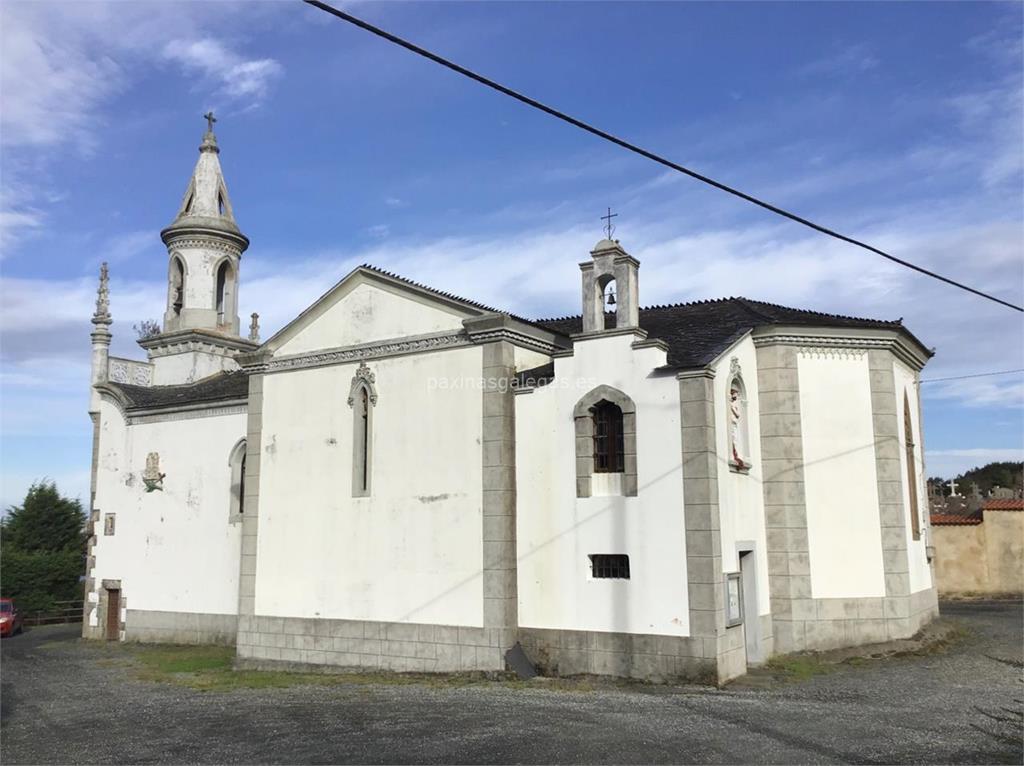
611	299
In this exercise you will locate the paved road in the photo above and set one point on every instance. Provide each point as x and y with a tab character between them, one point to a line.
62	703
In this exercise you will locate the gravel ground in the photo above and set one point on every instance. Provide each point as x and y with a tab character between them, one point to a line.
68	701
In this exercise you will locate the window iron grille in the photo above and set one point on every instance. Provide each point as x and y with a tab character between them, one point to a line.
609	566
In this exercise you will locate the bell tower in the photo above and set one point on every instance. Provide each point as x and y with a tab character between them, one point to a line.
200	335
611	291
204	246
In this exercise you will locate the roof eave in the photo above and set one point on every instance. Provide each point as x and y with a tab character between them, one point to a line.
903	344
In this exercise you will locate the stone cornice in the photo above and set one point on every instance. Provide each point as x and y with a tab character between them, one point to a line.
183	341
640	335
907	351
207	410
650	343
203	232
700	372
498	327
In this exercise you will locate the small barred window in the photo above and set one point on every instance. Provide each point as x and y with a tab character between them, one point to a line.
609	566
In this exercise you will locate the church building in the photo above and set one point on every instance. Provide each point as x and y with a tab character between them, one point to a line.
405	479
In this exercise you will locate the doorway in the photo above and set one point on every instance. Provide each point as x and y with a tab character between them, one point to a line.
113	631
751	618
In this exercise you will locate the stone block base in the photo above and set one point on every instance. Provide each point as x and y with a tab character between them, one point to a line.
837	623
626	655
180	627
292	642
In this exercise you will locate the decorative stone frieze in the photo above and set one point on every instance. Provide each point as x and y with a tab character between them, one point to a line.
346	354
831	352
209	243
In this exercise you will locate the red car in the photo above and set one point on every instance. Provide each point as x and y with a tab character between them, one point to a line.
10	618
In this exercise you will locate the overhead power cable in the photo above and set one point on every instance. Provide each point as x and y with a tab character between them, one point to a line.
643	152
976	375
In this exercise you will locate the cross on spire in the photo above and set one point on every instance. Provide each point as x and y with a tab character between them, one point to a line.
609	229
210	119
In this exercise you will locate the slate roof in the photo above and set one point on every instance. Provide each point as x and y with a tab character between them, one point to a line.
696	333
1004	504
223	386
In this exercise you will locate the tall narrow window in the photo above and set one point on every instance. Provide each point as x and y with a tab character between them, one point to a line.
222	278
362	398
241	487
236	497
609	450
364	457
908	446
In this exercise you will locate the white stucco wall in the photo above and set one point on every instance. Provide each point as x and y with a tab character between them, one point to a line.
173	550
361	312
556	531
741	496
528	359
920	570
840	484
412	551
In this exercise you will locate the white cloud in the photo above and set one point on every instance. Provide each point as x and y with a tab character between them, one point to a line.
62	63
849	60
52	84
237	78
17	225
996	113
123	247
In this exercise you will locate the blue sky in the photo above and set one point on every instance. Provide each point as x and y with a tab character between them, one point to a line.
897	123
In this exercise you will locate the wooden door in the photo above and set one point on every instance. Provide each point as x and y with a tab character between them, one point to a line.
113	615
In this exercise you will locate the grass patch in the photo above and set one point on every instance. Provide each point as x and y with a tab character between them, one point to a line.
211	668
798	667
184	659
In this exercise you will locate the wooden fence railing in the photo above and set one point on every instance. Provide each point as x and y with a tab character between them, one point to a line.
62	612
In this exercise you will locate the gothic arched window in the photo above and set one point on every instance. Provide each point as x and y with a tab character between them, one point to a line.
176	287
739	432
224	297
908	446
362	398
605	443
236	461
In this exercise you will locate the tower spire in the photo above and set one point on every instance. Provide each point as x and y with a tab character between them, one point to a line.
205	250
206	205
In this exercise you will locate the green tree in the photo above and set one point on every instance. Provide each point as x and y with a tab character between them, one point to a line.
1004	474
42	549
